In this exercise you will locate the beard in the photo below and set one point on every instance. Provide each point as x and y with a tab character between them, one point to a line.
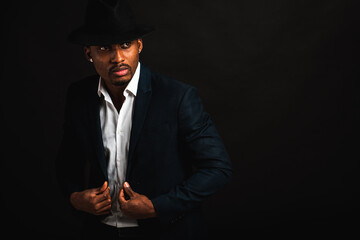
120	83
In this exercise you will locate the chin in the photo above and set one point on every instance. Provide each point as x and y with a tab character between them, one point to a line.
120	82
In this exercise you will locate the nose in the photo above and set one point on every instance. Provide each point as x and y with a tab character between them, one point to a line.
116	54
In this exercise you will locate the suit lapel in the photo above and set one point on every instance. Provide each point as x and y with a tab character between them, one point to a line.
95	129
142	102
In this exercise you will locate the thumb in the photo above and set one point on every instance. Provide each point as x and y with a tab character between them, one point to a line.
103	187
128	190
121	197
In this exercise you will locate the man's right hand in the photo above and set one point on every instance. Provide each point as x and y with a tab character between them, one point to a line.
96	201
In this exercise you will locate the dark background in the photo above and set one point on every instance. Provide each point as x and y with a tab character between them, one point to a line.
279	78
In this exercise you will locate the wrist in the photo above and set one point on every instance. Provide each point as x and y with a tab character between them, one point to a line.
73	198
152	211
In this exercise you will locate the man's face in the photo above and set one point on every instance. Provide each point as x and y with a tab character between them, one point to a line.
116	63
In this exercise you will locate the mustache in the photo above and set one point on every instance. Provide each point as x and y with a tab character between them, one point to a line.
120	67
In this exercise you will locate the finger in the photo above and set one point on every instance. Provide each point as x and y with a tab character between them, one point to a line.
128	190
103	187
107	193
103	196
103	211
101	205
121	197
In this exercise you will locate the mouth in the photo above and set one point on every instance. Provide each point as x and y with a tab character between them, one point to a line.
120	71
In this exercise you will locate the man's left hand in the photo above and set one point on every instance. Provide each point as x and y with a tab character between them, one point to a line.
138	206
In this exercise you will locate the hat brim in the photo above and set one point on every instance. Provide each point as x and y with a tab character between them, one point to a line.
87	38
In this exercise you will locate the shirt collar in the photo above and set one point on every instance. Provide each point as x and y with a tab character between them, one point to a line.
133	84
130	88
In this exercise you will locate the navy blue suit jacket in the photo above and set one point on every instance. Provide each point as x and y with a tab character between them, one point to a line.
176	157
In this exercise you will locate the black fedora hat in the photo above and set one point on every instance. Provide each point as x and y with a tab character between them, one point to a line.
108	22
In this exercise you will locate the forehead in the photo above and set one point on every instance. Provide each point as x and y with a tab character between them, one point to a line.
114	44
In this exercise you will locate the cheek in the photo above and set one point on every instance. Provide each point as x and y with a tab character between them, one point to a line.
101	69
133	59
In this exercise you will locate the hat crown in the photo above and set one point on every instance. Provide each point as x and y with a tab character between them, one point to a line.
102	15
107	22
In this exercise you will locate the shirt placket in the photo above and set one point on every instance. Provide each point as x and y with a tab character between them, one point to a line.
119	161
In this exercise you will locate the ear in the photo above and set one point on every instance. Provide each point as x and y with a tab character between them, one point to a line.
87	51
140	44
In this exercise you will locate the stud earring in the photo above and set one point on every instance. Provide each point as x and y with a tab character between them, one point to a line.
91	60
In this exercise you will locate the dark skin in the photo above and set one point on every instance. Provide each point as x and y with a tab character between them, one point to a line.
116	64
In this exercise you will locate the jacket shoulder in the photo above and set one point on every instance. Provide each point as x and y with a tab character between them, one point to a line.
168	84
85	84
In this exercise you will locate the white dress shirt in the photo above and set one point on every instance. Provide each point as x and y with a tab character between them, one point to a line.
116	129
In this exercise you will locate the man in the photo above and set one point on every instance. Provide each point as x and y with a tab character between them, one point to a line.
139	154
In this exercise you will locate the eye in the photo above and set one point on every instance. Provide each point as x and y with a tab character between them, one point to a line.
125	45
104	48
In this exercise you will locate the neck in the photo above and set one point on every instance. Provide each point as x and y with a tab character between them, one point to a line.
117	95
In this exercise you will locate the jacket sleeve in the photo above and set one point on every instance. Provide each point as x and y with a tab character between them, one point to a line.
69	163
208	155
